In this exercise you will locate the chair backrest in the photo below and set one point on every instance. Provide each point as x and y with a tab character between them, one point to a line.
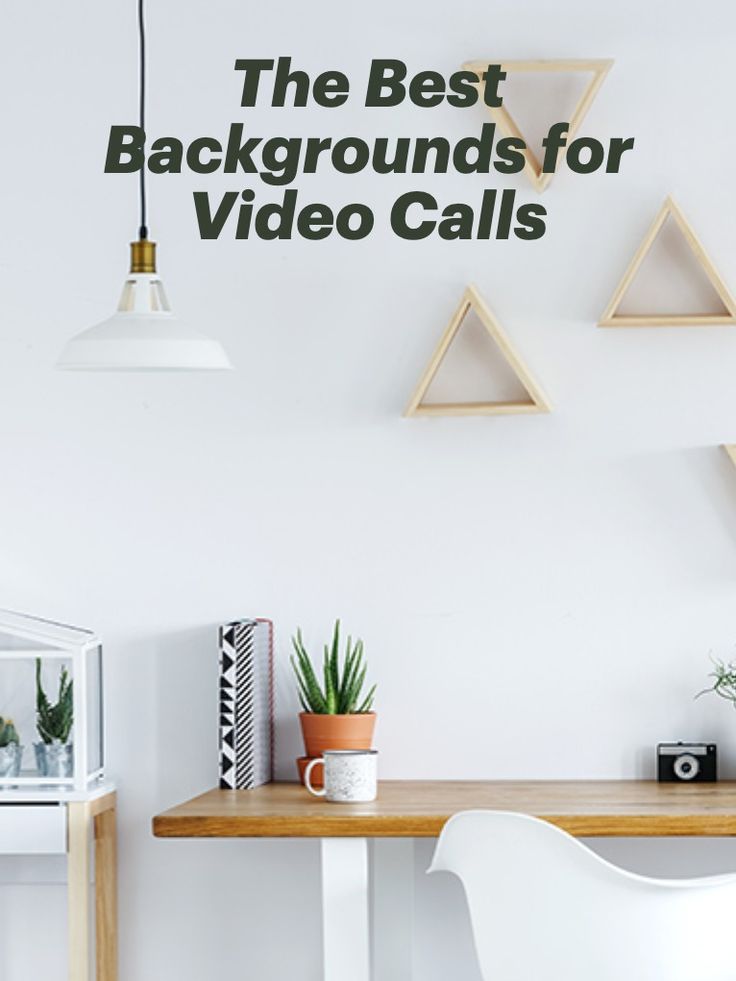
544	907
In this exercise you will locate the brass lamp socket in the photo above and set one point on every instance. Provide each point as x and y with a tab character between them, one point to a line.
143	256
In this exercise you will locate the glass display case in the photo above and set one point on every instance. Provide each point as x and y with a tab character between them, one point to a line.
51	725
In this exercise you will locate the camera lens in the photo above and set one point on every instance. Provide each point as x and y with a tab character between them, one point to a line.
686	767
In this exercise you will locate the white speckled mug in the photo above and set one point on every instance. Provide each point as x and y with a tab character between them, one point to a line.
350	775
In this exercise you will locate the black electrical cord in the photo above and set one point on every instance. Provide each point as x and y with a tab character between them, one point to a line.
143	231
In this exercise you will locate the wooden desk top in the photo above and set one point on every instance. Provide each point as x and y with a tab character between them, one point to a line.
419	809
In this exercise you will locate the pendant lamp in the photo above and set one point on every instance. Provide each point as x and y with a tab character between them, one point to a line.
144	334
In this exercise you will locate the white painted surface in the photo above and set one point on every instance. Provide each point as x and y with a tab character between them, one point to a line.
538	596
345	906
392	908
45	794
32	829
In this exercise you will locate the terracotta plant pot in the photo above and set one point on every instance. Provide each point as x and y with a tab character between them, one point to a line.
317	774
321	732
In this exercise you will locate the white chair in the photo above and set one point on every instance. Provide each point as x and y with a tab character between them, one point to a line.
544	907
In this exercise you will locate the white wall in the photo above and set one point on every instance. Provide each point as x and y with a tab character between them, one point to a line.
538	595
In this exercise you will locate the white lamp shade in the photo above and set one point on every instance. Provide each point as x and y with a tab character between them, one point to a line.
144	335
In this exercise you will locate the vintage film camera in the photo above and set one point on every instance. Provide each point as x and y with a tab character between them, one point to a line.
687	762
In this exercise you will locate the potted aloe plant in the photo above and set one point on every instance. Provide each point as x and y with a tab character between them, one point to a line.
11	751
336	713
55	752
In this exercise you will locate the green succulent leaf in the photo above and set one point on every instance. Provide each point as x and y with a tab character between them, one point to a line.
367	704
8	733
54	721
307	680
342	684
330	688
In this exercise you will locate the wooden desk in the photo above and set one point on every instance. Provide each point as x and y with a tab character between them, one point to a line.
419	808
407	809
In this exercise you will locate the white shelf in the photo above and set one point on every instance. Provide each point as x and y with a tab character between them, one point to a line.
54	795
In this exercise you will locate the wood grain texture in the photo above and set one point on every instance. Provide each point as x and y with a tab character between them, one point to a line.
102	804
599	68
419	809
611	317
537	401
106	892
78	891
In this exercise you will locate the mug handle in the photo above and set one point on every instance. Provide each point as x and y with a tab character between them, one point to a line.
307	773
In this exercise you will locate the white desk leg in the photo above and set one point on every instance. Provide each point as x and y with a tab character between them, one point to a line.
346	943
393	908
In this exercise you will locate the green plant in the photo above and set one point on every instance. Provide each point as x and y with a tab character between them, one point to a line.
54	722
724	684
343	683
8	733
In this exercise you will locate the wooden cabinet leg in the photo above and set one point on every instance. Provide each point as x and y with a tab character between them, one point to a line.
78	891
106	895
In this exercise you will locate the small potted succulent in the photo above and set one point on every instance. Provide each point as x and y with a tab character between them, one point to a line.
55	752
336	714
11	751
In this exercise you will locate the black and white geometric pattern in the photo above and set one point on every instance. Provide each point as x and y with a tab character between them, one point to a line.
246	704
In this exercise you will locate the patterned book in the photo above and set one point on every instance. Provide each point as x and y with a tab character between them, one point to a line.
246	704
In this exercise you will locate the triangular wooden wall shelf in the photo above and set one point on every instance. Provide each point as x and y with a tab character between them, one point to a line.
610	316
501	115
730	448
537	402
